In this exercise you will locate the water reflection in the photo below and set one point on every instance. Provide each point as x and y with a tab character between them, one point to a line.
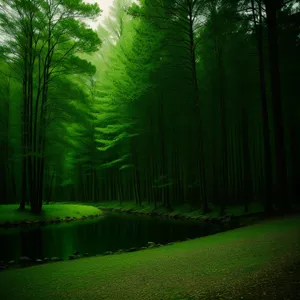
109	233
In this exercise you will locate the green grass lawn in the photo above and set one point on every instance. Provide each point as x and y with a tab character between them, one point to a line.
248	262
50	212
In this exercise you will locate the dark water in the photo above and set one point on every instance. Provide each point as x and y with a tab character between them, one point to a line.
111	232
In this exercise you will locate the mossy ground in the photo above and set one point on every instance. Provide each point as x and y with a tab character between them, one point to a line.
10	213
255	262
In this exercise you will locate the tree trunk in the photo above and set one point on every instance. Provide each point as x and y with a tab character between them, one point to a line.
272	6
223	129
264	111
248	191
200	158
295	149
50	188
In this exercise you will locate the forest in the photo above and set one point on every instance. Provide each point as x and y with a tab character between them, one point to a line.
167	102
183	109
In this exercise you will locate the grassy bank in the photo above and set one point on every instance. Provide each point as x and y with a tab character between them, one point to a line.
10	213
182	210
254	262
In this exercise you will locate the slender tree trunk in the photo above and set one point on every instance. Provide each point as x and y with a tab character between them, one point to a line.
13	187
264	111
272	6
137	180
248	191
50	188
295	149
24	134
215	181
223	129
31	155
241	179
231	163
163	170
196	105
5	165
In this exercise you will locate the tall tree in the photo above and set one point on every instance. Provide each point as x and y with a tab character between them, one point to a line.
282	192
258	25
46	37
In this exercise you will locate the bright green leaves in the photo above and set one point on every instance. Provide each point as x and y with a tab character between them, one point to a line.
81	9
74	64
134	10
107	144
115	162
84	38
92	42
112	129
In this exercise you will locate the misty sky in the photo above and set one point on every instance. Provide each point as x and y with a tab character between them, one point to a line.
104	5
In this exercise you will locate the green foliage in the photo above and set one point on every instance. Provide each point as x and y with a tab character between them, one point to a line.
162	103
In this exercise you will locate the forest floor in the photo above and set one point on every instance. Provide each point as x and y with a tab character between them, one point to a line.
10	213
261	261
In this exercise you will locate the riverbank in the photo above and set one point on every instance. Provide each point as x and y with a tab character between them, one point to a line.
234	217
10	216
185	209
260	261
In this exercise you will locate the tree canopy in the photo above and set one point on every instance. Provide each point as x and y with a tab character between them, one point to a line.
167	102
